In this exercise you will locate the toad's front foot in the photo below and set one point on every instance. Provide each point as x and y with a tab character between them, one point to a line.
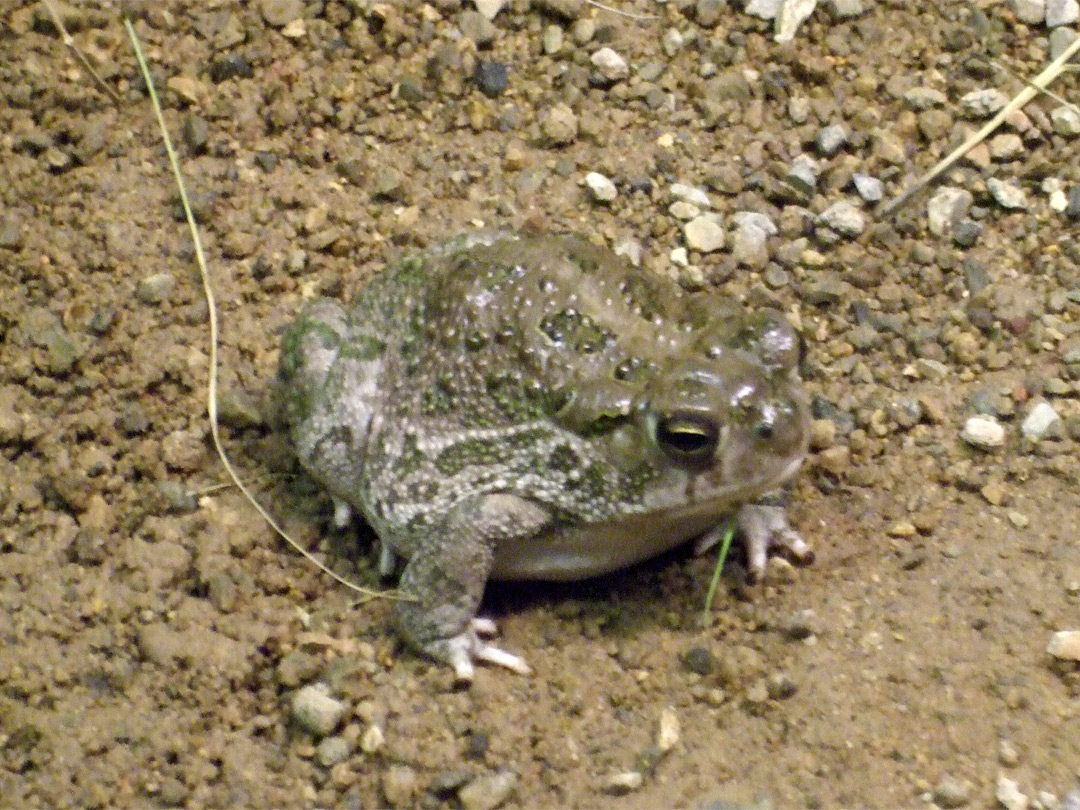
462	650
763	528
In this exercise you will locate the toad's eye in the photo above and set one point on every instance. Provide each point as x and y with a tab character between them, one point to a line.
688	437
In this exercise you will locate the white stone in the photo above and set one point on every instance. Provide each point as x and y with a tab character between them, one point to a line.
1062	12
982	103
1066	120
683	211
947	207
1008	794
1007	195
1059	201
1042	419
690	194
611	66
765	9
704	233
315	711
1032	12
983	432
600	187
1065	644
844	217
791	15
489	8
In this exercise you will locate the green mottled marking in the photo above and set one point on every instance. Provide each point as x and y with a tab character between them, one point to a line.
634	371
362	347
642	296
602	423
475	340
465	454
410	459
439	398
292	345
568	327
635	481
563	458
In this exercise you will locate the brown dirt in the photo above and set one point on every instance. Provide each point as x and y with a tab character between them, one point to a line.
151	640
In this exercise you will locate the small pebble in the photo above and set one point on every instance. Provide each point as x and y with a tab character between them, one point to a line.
699	660
279	13
315	711
400	784
625	782
690	194
601	189
488	792
704	234
1065	120
489	8
1009	795
1061	12
983	103
331	751
946	207
951	793
869	188
372	739
1065	644
1007	754
830	140
610	65
1007	195
155	289
491	77
844	218
983	432
195	133
559	125
1040	421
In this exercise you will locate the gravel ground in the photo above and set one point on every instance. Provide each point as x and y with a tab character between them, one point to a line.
159	646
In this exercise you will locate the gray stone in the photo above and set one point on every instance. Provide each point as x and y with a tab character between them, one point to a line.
315	711
601	189
982	103
947	207
830	140
983	432
1072	210
610	65
869	188
1066	120
924	98
844	218
1061	12
704	233
803	175
1040	421
1007	195
750	241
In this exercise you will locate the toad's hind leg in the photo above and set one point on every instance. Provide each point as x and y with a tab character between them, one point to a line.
444	581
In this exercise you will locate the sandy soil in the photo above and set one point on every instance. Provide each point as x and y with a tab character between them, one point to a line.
154	633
